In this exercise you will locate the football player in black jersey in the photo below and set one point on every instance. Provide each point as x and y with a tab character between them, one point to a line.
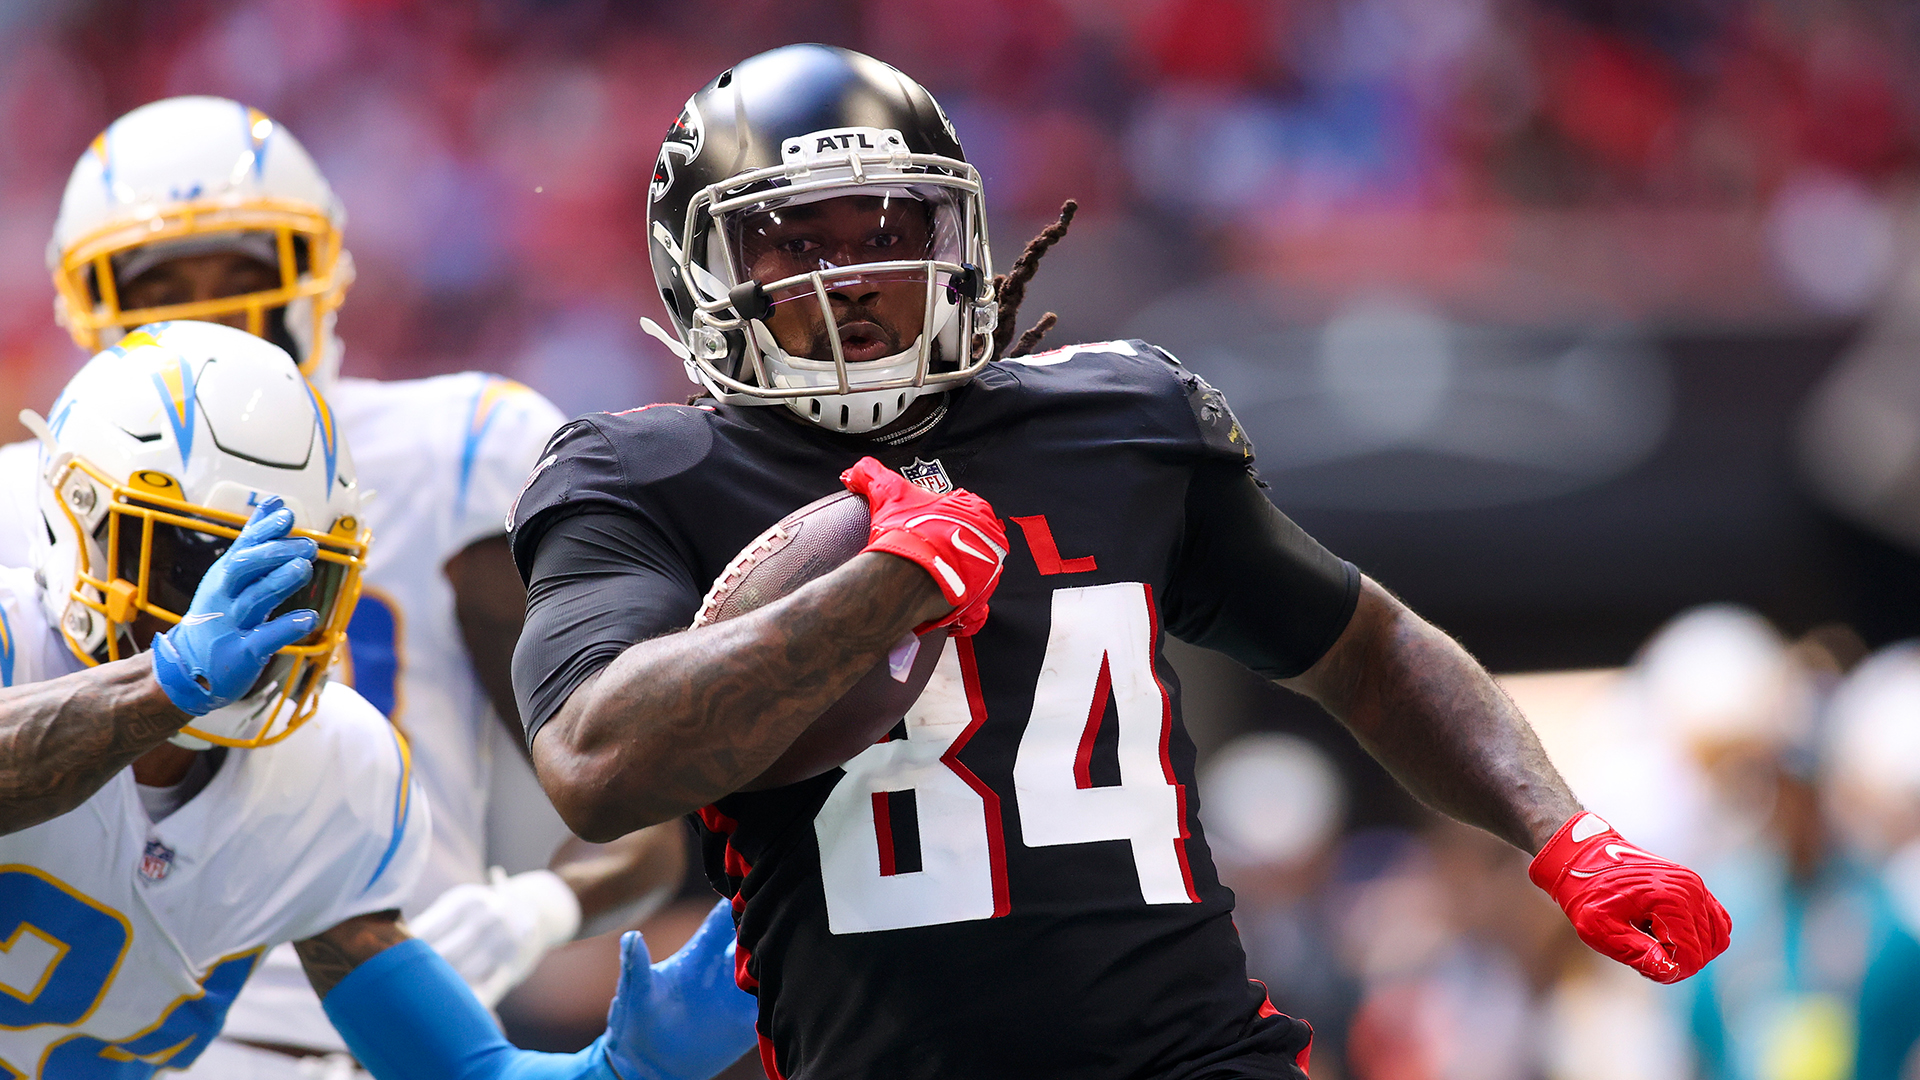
1015	882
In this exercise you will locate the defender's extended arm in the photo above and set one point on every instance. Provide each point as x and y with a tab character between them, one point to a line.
406	1015
62	738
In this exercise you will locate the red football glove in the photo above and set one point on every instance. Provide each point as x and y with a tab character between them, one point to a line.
954	537
1649	913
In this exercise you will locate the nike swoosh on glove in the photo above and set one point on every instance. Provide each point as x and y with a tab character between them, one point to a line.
1649	913
212	657
954	537
683	1018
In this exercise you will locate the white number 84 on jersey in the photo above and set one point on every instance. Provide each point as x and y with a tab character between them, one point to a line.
1100	649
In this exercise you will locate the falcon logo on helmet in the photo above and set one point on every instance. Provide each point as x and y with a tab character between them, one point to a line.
837	263
684	140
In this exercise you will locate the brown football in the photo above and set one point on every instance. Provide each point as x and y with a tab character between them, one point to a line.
804	545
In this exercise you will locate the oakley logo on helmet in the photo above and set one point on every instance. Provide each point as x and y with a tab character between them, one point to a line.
684	140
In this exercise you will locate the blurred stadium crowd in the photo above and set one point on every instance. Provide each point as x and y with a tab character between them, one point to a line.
1788	771
1559	160
1357	168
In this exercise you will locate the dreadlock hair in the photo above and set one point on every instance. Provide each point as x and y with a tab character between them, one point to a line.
1011	287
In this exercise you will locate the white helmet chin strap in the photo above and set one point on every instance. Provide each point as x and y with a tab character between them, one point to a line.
859	411
855	413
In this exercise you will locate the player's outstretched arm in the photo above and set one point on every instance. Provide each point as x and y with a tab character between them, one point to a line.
1435	718
1429	712
626	879
406	1015
678	721
63	738
496	933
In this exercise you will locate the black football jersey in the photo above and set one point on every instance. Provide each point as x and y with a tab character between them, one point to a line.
1015	882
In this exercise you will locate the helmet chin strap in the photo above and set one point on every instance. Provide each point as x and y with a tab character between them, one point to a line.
854	413
859	411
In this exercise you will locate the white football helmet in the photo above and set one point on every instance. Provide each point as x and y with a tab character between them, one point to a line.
1871	755
193	175
151	462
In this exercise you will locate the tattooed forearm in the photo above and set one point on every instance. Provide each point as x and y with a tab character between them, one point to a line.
331	954
63	738
679	721
1434	717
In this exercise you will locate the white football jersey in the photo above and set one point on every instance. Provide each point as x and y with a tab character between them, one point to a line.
443	459
125	940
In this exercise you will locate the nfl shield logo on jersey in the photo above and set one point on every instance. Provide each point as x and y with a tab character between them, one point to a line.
928	474
157	861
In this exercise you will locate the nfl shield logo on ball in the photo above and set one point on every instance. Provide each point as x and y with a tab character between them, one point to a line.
157	861
928	474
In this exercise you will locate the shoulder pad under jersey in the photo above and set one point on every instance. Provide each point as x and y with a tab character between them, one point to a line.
609	459
1220	431
1137	367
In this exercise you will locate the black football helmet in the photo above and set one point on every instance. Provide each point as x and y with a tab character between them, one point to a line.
780	132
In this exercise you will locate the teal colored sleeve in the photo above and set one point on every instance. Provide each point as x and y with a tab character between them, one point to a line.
1889	1009
1708	1027
406	1015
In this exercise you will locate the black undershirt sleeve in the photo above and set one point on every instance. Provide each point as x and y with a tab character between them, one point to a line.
1250	583
599	581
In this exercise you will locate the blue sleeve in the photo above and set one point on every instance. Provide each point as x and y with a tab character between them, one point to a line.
1889	1009
406	1015
1708	1027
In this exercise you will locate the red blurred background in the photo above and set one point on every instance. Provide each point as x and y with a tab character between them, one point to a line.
1557	316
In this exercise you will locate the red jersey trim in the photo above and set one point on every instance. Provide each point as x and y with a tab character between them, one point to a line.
1083	758
767	1064
1046	555
1166	744
996	839
883	833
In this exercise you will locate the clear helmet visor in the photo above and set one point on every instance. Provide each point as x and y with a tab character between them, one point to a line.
870	270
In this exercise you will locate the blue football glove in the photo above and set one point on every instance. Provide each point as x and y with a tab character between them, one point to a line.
683	1018
218	649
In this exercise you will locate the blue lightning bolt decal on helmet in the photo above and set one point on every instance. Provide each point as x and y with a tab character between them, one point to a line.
140	528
